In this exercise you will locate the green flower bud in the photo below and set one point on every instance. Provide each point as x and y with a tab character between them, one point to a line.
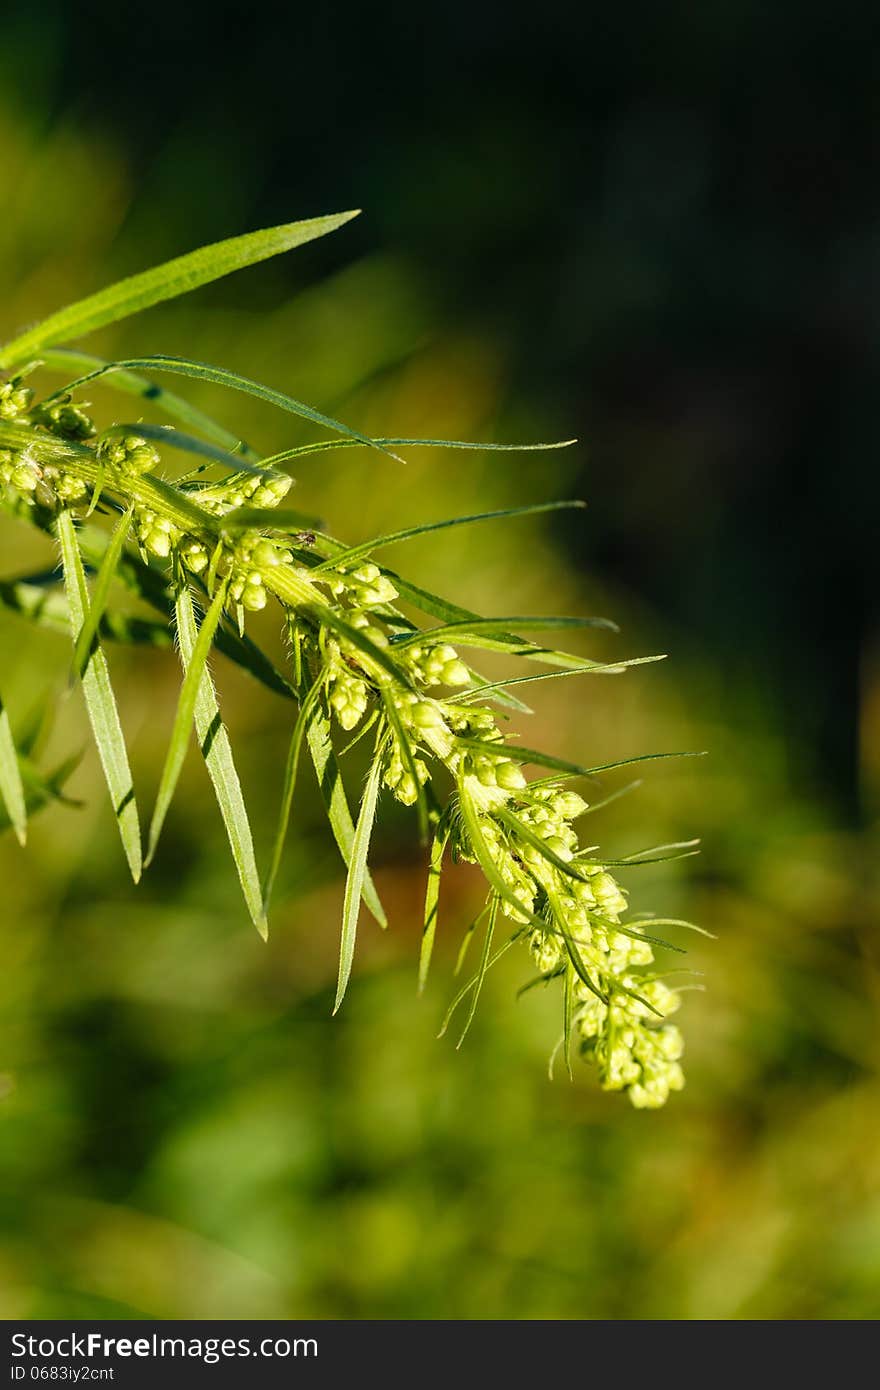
25	476
271	490
254	596
455	673
569	805
264	554
509	776
427	716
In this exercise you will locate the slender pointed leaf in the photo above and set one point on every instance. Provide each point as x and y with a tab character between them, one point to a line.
466	941
11	787
219	376
481	972
100	593
100	702
676	922
42	788
336	802
356	552
593	668
452	613
323	446
465	989
184	717
69	361
217	752
568	1019
283	519
354	884
306	711
463	632
532	755
167	281
432	901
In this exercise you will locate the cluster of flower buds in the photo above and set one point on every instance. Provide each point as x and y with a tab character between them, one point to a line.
31	480
630	1053
130	453
15	399
572	907
436	665
566	905
62	417
44	483
563	899
242	490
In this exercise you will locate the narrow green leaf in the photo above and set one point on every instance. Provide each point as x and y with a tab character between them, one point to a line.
175	277
100	701
184	717
217	752
637	934
283	519
167	437
465	989
177	408
593	668
568	1002
647	856
332	790
466	941
612	796
323	446
51	611
541	980
11	788
348	557
306	711
219	376
452	613
674	922
572	948
42	788
354	884
463	632
483	967
432	901
88	633
571	869
551	1060
532	755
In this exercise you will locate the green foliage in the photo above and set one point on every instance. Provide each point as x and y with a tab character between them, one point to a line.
221	535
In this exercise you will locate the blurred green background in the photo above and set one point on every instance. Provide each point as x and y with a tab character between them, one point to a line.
653	228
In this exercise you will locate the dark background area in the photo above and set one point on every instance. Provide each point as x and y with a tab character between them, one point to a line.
667	213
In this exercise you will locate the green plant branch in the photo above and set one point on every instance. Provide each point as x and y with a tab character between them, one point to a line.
357	661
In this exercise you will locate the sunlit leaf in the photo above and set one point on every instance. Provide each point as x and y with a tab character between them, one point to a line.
356	552
11	788
432	901
354	883
184	717
167	281
332	790
100	702
217	752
